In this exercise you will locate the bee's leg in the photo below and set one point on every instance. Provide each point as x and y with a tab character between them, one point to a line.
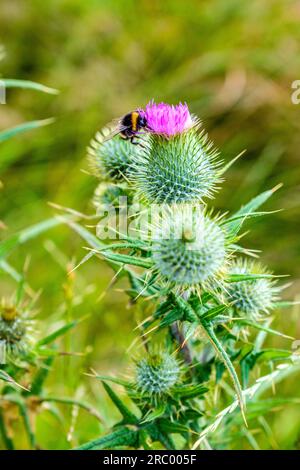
134	142
137	142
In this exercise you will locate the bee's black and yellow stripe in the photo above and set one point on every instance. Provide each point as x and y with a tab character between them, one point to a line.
134	120
130	124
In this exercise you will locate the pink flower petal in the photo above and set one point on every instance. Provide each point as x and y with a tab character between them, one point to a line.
167	119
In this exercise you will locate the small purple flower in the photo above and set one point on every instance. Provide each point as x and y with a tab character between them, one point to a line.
167	119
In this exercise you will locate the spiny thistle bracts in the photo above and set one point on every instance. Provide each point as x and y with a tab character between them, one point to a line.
190	248
252	298
111	195
157	373
179	169
110	159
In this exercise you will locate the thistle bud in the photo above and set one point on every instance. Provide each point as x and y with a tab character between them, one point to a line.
189	248
111	195
15	333
156	374
176	163
252	297
110	159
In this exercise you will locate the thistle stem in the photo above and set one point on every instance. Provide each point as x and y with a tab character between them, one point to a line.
177	334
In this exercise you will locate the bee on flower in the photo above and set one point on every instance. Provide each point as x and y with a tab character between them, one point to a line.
162	118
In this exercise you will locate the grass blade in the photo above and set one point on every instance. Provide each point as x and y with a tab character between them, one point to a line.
29	85
222	354
26	126
27	234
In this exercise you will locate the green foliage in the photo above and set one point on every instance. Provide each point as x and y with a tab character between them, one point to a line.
12	83
27	126
25	365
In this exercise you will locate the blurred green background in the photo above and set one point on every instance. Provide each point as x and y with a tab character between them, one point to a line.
232	61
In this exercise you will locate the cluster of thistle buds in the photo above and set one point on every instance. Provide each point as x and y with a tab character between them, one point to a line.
190	251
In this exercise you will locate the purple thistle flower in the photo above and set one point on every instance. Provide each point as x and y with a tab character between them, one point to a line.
167	119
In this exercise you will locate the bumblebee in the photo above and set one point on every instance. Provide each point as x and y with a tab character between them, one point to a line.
129	126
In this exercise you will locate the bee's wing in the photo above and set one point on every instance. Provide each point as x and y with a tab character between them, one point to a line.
111	134
112	129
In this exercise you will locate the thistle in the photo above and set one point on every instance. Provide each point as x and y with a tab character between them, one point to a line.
255	297
185	268
189	248
110	194
110	159
168	120
157	374
15	332
176	164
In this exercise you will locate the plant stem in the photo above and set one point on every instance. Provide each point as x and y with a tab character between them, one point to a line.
8	442
180	339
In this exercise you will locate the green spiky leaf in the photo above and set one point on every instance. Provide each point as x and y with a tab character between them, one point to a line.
128	416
